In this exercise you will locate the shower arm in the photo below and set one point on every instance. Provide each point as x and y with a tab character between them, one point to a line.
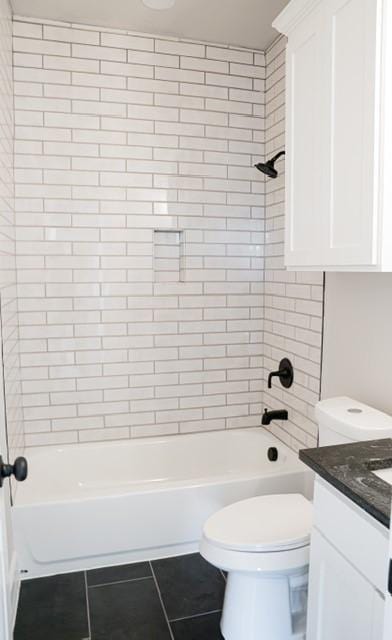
278	155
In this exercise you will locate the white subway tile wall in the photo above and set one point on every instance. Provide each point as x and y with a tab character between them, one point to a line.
140	222
8	287
293	300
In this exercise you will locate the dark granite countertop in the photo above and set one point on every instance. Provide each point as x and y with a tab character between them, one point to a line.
348	467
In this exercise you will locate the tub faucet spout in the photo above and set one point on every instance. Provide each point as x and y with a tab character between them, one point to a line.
279	414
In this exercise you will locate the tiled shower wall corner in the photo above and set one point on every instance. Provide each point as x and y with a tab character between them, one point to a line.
140	222
119	136
8	289
293	300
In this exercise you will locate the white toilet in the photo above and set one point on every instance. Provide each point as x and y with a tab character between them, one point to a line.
263	543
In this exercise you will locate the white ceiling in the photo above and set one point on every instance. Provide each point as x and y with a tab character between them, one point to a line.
245	23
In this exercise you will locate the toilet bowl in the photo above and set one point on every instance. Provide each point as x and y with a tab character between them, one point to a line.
263	543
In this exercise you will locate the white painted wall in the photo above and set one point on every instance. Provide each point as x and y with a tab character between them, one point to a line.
358	338
245	23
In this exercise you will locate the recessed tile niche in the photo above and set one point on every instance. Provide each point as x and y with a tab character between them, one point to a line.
168	251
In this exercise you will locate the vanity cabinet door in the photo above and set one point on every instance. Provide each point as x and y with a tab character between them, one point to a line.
342	603
388	600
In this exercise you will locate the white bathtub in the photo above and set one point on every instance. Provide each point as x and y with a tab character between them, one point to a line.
95	505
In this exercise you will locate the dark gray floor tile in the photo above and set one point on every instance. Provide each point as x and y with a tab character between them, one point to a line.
54	608
200	628
118	574
127	611
189	585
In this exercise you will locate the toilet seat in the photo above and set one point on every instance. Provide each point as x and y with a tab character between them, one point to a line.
263	524
265	534
277	562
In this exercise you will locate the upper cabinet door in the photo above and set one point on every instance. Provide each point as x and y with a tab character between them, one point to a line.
339	93
304	160
352	32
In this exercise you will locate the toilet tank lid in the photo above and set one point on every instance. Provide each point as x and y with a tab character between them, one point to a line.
353	419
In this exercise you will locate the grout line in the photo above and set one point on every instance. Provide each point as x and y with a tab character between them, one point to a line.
161	600
106	584
87	604
197	615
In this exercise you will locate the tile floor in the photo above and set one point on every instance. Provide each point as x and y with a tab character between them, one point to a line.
171	599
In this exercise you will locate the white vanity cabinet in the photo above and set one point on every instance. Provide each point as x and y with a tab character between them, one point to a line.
338	134
343	603
348	570
388	600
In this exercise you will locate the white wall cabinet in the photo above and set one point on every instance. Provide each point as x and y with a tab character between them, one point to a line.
338	134
348	570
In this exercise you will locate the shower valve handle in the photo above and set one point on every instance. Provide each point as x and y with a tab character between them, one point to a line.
19	469
285	374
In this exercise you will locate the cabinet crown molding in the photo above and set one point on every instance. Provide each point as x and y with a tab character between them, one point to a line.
295	11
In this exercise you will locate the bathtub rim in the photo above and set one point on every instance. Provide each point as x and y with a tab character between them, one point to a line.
290	465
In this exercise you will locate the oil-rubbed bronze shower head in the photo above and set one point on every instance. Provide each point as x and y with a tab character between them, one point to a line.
268	168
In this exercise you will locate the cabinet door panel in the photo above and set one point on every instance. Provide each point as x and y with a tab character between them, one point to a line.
352	27
387	631
342	604
304	215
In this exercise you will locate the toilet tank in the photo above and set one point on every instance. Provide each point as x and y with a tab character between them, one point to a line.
343	420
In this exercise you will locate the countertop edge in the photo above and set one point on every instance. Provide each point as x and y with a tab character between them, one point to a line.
356	498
